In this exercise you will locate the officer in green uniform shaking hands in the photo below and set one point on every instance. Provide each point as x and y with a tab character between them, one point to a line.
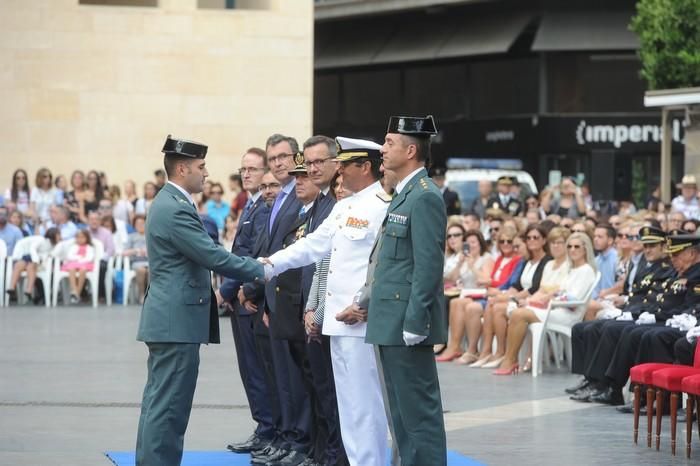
179	312
406	309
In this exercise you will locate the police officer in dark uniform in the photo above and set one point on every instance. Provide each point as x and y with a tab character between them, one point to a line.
452	204
503	200
652	276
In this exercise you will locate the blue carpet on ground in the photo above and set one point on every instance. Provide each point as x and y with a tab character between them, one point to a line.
226	458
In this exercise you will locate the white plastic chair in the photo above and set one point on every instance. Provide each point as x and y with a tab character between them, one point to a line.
93	278
129	276
30	245
4	299
538	331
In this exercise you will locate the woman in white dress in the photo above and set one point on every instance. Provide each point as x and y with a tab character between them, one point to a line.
579	280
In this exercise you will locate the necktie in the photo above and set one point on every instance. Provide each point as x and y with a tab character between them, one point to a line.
302	211
276	208
247	207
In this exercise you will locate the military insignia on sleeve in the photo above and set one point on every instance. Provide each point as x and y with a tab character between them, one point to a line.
397	218
357	223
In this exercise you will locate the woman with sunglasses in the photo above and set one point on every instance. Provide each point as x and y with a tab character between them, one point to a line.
526	283
472	270
580	279
18	193
502	271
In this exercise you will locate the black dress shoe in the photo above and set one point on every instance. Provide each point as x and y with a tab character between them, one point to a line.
584	383
252	444
629	409
584	394
274	455
294	458
609	396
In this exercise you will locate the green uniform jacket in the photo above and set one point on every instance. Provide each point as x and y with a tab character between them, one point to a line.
179	305
407	288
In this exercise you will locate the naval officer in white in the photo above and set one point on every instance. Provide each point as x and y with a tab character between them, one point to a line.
348	233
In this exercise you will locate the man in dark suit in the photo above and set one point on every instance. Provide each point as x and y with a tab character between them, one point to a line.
179	311
294	420
327	448
503	200
452	204
251	224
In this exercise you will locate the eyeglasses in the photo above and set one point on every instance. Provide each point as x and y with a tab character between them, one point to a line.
279	157
533	238
574	246
578	230
454	235
494	229
269	186
505	241
559	242
243	170
316	163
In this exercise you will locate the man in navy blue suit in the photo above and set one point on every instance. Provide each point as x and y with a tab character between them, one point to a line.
251	224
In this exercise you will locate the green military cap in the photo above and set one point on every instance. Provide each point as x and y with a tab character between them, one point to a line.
651	235
299	167
184	148
351	149
680	240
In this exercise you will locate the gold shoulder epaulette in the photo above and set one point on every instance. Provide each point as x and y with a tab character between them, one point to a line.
384	196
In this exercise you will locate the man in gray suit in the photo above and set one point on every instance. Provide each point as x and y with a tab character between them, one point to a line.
179	312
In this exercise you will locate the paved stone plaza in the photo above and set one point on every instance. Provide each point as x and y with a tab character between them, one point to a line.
72	379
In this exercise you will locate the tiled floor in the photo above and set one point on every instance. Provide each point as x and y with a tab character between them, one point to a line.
72	380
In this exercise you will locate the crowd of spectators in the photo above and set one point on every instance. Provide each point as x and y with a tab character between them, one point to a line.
60	208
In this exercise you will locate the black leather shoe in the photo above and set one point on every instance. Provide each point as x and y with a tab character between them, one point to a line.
274	456
584	395
252	444
310	462
294	458
584	383
264	452
609	396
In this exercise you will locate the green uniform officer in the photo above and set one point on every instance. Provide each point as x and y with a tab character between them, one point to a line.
179	312
406	309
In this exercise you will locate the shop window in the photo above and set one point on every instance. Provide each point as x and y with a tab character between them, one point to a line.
148	3
234	4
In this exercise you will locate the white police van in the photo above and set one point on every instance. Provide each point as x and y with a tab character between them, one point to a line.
463	176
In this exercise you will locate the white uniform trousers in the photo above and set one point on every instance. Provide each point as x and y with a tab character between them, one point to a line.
363	423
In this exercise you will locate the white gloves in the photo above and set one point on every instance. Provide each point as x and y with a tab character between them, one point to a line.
412	339
268	268
682	322
646	319
692	334
625	316
610	313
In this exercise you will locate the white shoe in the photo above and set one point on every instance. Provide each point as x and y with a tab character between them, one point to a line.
494	363
480	362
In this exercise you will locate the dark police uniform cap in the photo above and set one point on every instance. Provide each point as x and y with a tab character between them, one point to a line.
651	235
680	240
505	180
184	148
439	172
419	127
514	181
351	149
299	168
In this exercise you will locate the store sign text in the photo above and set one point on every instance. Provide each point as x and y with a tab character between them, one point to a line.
619	135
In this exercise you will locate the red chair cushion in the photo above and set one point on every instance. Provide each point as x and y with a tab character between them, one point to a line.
670	379
691	385
641	373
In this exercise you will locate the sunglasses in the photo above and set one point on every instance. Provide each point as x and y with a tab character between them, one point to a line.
505	241
494	229
574	246
533	238
454	235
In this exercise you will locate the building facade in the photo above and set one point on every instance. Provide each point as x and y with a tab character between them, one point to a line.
553	83
99	84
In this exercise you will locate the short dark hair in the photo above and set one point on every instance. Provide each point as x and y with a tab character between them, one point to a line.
260	153
138	217
170	162
159	172
609	229
278	138
321	139
473	215
422	147
480	237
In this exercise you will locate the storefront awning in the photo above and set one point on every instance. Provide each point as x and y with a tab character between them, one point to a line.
485	35
571	31
346	44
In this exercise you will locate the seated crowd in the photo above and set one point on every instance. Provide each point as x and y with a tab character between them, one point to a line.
512	262
84	209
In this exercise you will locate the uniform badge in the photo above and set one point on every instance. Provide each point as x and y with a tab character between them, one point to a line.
301	231
357	223
397	218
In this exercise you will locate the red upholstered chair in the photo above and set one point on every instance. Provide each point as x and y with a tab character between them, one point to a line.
691	386
641	375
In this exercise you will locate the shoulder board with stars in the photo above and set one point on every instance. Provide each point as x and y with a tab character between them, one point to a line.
423	184
384	196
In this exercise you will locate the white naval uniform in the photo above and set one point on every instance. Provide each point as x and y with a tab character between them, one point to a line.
348	233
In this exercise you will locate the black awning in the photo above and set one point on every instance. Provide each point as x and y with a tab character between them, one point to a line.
585	30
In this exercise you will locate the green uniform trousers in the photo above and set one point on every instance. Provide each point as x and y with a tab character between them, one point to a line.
167	402
413	390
